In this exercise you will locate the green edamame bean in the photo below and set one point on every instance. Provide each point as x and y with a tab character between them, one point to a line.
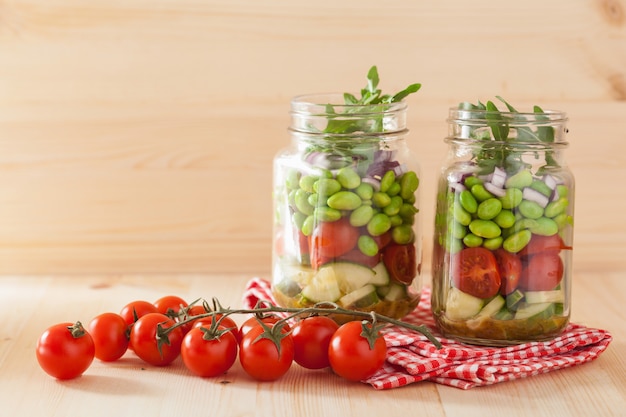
563	220
381	199
517	241
308	225
468	202
344	200
393	207
554	208
485	228
480	193
489	209
408	185
505	219
456	229
544	227
472	241
453	245
512	198
397	221
348	178
542	187
361	216
306	183
407	211
493	244
386	181
301	201
298	219
523	223
562	190
394	189
530	209
291	198
379	224
327	214
520	179
402	235
460	215
471	181
367	245
326	187
314	199
365	191
292	179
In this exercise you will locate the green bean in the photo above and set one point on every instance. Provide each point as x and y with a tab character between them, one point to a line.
489	209
408	185
379	224
472	241
468	202
519	180
512	198
348	178
361	216
344	200
517	241
530	209
485	228
480	193
327	214
554	208
386	181
403	234
381	199
367	245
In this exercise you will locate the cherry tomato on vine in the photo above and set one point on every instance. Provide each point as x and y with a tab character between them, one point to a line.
209	357
65	350
261	359
136	309
253	321
350	354
110	336
311	337
170	305
224	321
143	337
475	271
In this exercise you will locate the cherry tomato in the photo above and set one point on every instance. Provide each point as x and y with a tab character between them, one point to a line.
224	321
474	271
189	312
136	309
510	268
350	354
311	337
543	244
65	350
261	358
401	262
170	305
110	336
253	322
143	337
332	239
543	272
207	358
382	240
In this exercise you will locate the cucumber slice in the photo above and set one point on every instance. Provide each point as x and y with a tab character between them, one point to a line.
504	314
462	306
396	292
535	297
322	287
381	276
298	273
350	276
363	297
489	310
527	311
514	298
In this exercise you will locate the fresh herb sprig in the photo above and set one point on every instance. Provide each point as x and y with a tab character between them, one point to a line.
506	133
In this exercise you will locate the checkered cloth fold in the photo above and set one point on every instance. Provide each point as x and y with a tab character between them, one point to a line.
412	358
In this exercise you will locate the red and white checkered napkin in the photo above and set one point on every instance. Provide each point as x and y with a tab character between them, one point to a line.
412	358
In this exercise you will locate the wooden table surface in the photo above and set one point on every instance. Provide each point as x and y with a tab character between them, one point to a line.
129	387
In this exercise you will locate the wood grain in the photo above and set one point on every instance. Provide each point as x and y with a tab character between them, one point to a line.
137	136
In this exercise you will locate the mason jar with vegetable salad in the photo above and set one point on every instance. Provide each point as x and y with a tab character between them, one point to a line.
346	205
502	254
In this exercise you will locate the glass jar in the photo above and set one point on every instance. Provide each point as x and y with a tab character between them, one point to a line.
346	208
502	253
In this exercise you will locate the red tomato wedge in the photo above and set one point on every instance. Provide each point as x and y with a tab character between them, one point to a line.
330	240
475	271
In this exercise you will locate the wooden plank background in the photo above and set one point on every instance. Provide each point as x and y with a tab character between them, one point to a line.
137	136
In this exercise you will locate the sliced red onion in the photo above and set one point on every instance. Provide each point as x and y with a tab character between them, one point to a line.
534	195
400	170
555	194
486	177
494	189
373	182
550	181
498	178
457	187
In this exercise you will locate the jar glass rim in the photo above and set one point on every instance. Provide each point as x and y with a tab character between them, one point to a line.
318	103
481	116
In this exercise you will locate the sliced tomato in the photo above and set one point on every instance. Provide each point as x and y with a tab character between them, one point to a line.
382	240
510	268
543	272
475	271
332	239
544	244
401	262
